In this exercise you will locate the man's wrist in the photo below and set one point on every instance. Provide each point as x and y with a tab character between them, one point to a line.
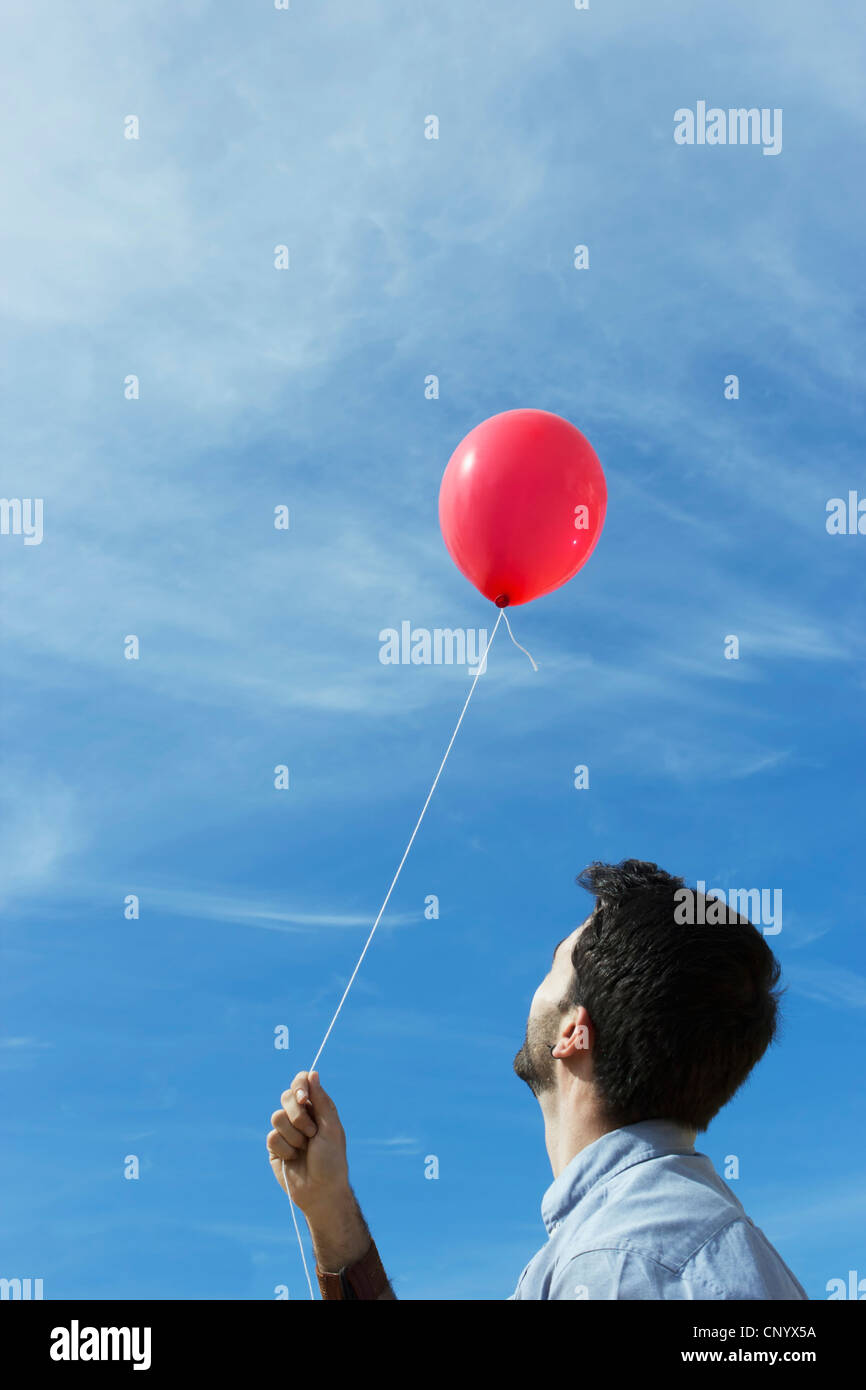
321	1211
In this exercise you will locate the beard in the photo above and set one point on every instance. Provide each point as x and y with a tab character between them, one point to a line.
533	1063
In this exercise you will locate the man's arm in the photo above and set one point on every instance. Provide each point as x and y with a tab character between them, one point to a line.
347	1261
308	1137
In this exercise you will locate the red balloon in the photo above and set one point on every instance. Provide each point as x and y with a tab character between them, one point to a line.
522	505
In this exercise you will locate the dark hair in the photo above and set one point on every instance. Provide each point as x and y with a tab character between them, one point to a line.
681	1012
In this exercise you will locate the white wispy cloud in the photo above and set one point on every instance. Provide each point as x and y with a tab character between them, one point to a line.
828	984
402	1144
208	905
251	913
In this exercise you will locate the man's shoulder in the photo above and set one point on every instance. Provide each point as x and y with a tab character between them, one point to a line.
668	1228
663	1209
741	1258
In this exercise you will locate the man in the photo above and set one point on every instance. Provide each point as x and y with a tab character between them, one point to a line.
652	1015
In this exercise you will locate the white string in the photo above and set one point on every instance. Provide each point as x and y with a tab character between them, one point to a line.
298	1234
481	667
514	639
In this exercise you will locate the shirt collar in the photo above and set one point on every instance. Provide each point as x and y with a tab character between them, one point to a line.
604	1157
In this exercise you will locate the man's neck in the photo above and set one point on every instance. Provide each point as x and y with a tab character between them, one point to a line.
568	1128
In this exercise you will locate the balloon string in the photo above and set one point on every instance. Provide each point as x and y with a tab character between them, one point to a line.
481	667
514	639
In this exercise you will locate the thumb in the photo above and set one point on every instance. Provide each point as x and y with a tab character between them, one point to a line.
322	1103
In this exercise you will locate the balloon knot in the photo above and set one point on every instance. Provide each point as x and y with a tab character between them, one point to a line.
502	601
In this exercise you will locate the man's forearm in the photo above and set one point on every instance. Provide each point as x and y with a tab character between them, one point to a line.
347	1261
339	1231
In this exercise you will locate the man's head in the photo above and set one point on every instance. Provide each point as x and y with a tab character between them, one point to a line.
663	1020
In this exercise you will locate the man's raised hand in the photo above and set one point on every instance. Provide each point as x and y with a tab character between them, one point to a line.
307	1135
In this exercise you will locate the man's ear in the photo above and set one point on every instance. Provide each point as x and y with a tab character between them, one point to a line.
576	1036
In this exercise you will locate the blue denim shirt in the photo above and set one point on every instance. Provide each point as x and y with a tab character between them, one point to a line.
638	1214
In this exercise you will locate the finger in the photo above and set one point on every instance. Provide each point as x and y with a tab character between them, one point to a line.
301	1083
278	1147
299	1112
289	1129
301	1089
293	1132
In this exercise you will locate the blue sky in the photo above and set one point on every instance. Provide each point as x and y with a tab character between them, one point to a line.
258	647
